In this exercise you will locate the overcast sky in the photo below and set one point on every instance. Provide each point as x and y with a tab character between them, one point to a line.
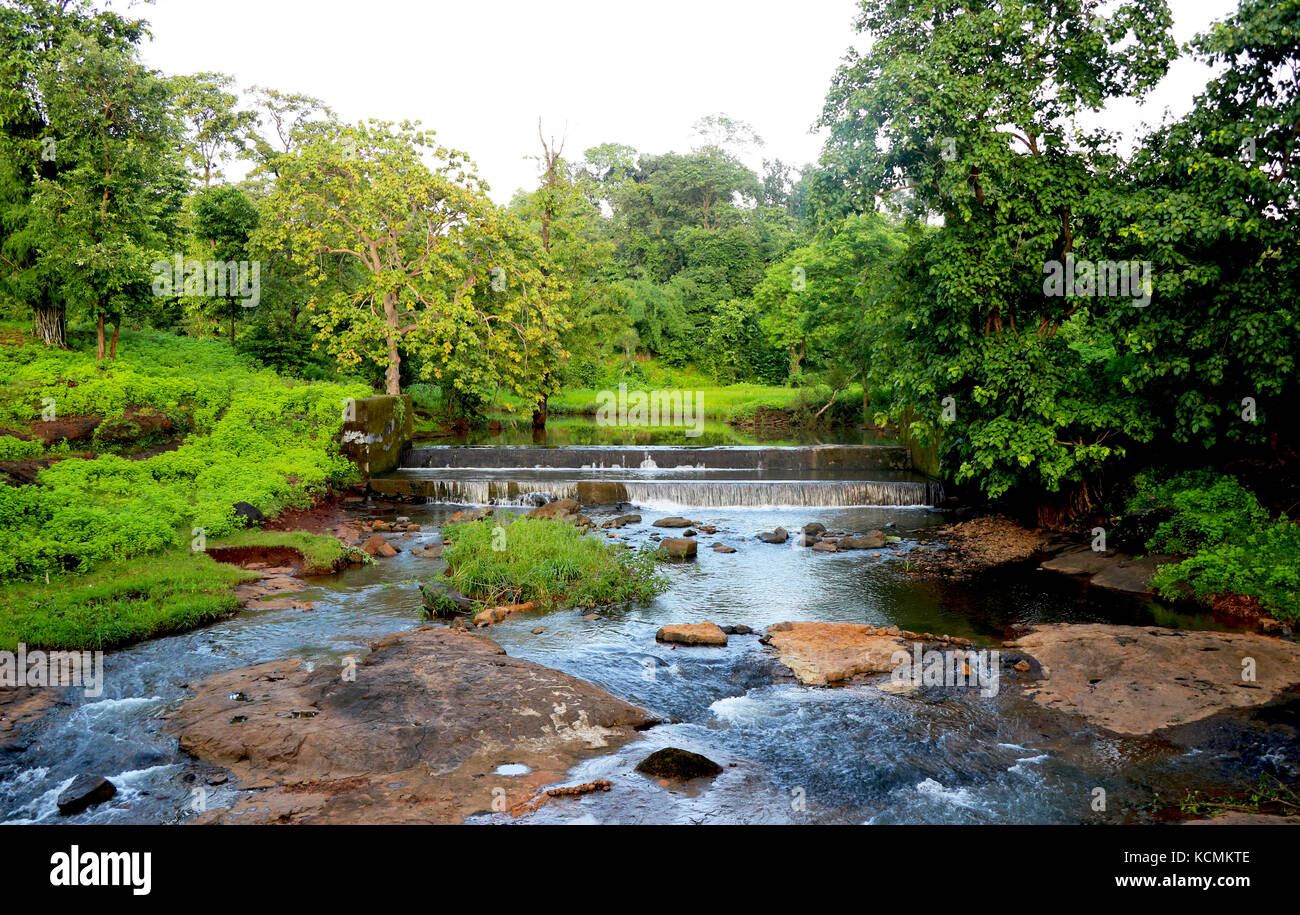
481	72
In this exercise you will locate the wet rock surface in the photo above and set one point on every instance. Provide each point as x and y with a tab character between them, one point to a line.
678	547
680	765
415	737
1139	679
85	791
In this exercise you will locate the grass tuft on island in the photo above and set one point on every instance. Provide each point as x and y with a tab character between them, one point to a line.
549	562
120	602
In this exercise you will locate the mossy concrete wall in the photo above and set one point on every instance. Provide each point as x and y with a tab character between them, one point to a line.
376	430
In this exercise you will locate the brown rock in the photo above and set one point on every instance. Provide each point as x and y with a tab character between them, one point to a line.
1139	679
872	540
824	653
693	634
434	711
672	522
678	548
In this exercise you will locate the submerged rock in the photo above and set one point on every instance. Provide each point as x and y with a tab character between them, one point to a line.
85	791
680	765
1139	679
693	634
723	548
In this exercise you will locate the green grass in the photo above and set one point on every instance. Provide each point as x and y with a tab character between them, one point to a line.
550	562
320	553
118	603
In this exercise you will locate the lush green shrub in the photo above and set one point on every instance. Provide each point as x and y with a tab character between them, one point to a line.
16	449
545	561
1264	564
1192	510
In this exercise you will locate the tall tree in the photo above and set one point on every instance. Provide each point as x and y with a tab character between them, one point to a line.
104	217
408	257
215	127
969	112
32	32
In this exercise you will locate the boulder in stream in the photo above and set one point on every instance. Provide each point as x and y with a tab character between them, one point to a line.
413	733
709	634
679	765
85	791
678	548
672	522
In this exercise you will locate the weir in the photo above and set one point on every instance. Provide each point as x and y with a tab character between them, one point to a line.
666	478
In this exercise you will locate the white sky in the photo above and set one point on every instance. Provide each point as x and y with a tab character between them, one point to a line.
480	72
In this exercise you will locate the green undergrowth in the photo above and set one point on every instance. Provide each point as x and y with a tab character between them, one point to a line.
1232	547
257	438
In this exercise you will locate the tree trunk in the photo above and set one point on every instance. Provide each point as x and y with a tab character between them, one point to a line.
112	344
392	376
99	337
539	413
232	328
50	323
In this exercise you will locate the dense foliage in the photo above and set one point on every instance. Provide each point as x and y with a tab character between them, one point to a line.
256	439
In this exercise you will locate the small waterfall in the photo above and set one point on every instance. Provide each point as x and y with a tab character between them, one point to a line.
781	494
673	495
495	492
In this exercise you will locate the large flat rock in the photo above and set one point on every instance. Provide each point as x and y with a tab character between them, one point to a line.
1140	679
820	654
415	737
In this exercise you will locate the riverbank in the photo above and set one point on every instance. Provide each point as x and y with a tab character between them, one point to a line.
861	752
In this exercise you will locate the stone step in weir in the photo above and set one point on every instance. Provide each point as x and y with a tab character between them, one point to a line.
667	494
816	457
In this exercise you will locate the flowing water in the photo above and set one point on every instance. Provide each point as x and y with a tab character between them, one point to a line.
790	753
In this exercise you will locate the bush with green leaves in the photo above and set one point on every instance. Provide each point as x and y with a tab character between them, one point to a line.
1264	564
1234	548
1192	510
535	559
17	449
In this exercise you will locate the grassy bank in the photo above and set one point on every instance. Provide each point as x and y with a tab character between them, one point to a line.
120	602
731	403
112	536
549	562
